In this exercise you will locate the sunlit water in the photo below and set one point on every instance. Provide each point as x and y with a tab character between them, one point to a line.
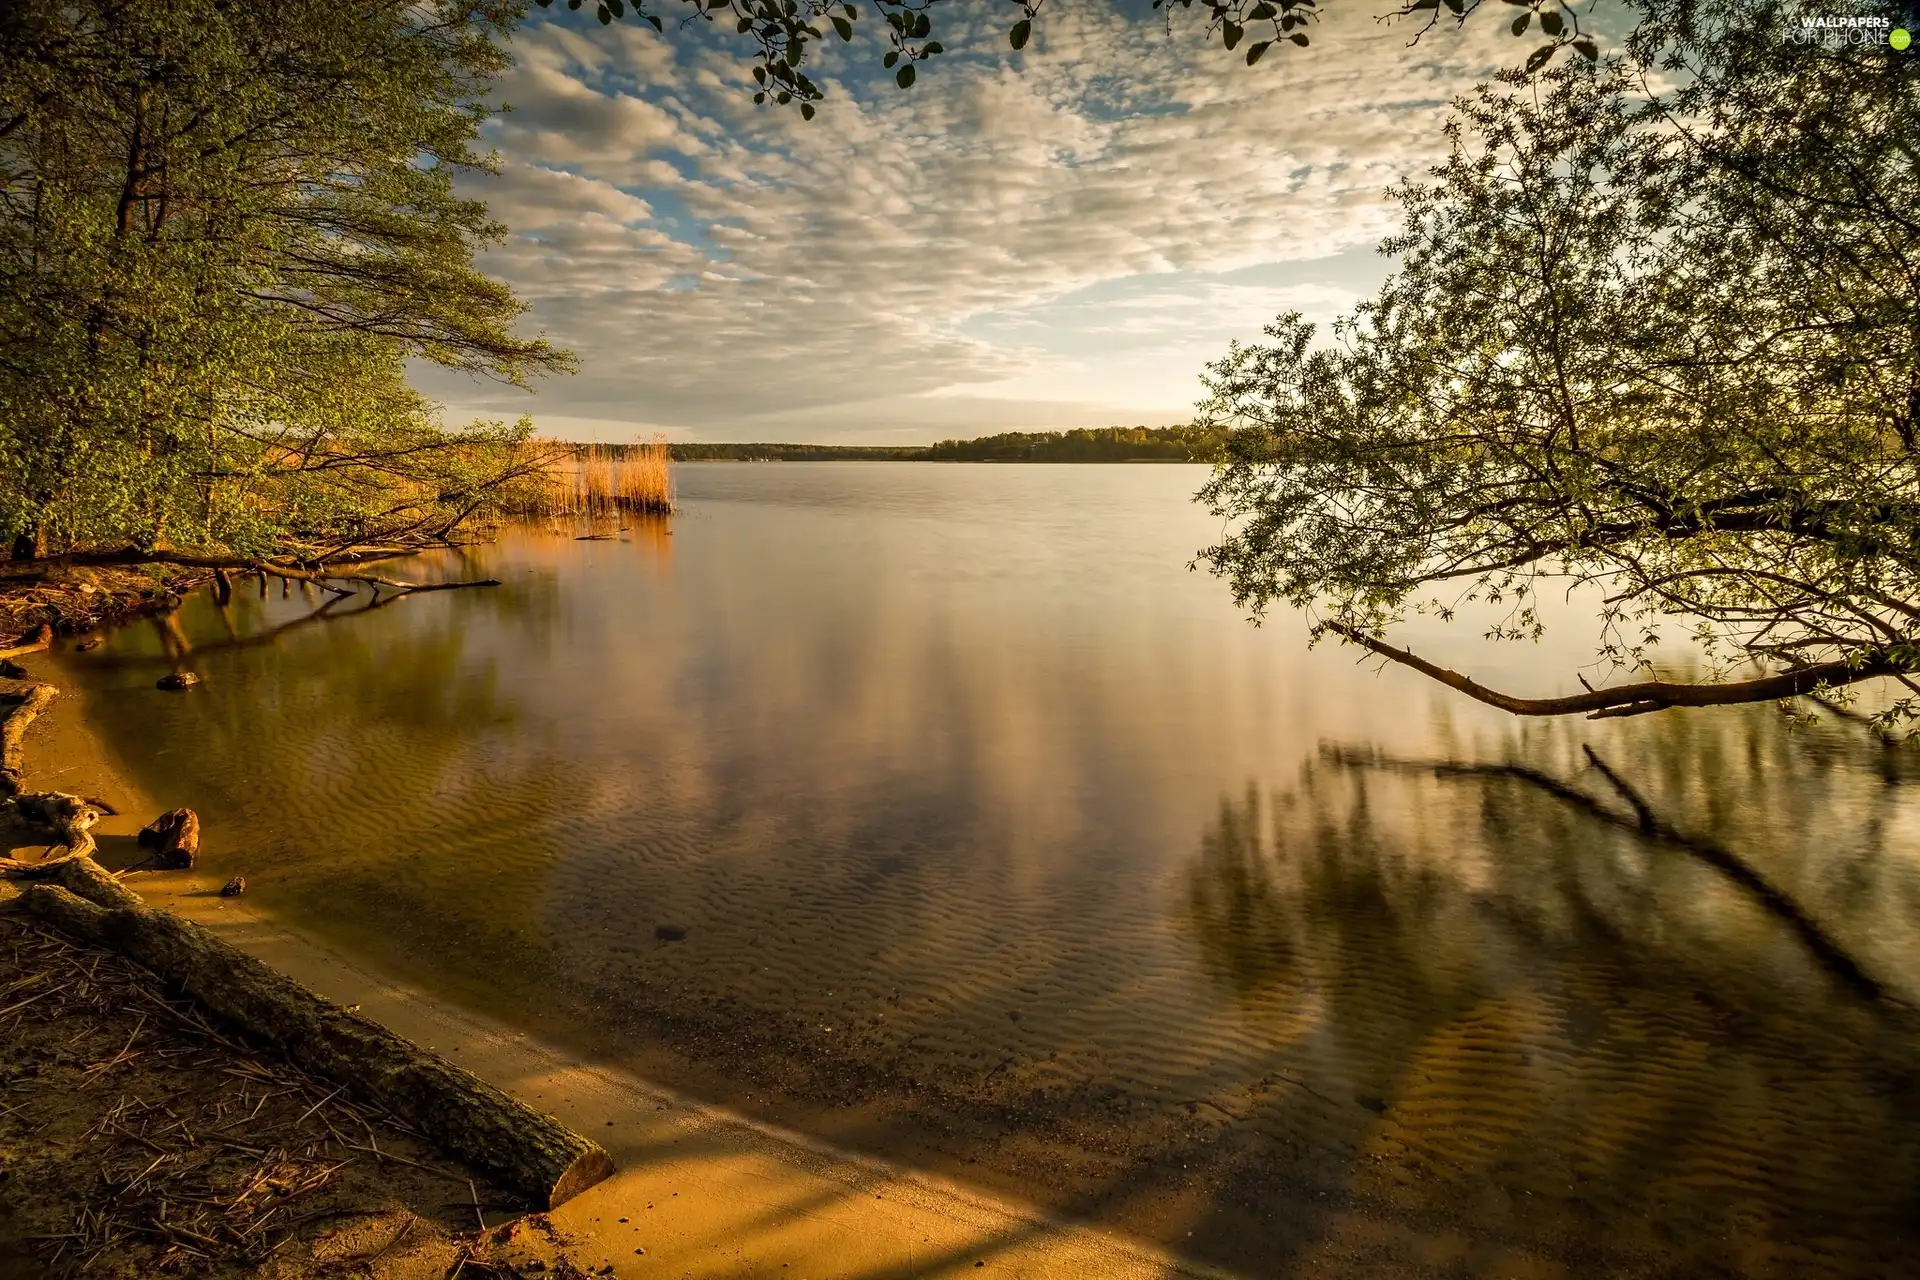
943	808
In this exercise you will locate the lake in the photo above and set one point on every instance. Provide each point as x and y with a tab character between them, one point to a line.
940	810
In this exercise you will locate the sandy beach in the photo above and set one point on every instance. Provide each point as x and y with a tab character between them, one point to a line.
700	1191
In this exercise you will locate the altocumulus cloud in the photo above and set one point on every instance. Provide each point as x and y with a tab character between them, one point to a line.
1060	237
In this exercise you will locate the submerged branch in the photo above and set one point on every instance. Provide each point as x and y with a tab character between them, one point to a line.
1644	696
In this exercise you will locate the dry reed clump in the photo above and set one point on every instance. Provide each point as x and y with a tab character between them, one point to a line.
601	481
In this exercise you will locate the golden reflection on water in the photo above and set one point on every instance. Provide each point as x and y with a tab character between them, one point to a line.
943	804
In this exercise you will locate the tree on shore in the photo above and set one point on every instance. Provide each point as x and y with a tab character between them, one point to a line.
1656	333
224	229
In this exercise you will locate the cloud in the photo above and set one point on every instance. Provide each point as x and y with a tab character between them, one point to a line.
1080	226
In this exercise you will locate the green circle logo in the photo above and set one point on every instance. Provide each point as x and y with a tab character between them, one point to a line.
1900	39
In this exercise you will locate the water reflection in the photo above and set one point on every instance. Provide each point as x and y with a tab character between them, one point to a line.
888	801
1556	1025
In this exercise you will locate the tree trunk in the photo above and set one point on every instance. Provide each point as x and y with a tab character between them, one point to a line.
530	1152
31	542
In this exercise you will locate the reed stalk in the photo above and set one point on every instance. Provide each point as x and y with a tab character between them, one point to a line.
593	482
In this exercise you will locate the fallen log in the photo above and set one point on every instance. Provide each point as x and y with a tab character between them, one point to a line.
33	642
528	1151
27	704
79	875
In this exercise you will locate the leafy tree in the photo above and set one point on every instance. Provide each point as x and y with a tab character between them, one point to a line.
1655	332
223	229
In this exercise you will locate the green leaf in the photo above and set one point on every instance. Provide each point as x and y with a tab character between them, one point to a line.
904	78
1458	6
893	56
1419	5
1261	12
759	98
760	74
604	14
1551	22
655	21
931	48
619	8
1587	49
843	27
783	97
1539	58
1299	38
806	111
1230	33
922	25
1018	36
1520	23
1255	50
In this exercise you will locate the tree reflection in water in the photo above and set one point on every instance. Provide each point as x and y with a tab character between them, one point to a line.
1493	996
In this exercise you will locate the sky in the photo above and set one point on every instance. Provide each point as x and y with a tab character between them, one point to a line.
1054	238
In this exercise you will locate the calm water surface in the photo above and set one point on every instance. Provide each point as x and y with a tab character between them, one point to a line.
942	810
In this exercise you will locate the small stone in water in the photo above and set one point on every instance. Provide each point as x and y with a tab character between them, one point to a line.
177	680
669	932
234	887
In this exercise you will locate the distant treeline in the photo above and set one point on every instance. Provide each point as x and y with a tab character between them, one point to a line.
1086	444
795	453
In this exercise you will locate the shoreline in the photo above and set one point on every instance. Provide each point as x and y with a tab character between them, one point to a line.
702	1189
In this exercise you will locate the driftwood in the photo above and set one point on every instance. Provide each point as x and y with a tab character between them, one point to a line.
62	822
530	1152
35	642
174	837
26	705
80	875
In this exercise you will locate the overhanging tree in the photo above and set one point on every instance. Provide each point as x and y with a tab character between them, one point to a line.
1656	332
223	230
